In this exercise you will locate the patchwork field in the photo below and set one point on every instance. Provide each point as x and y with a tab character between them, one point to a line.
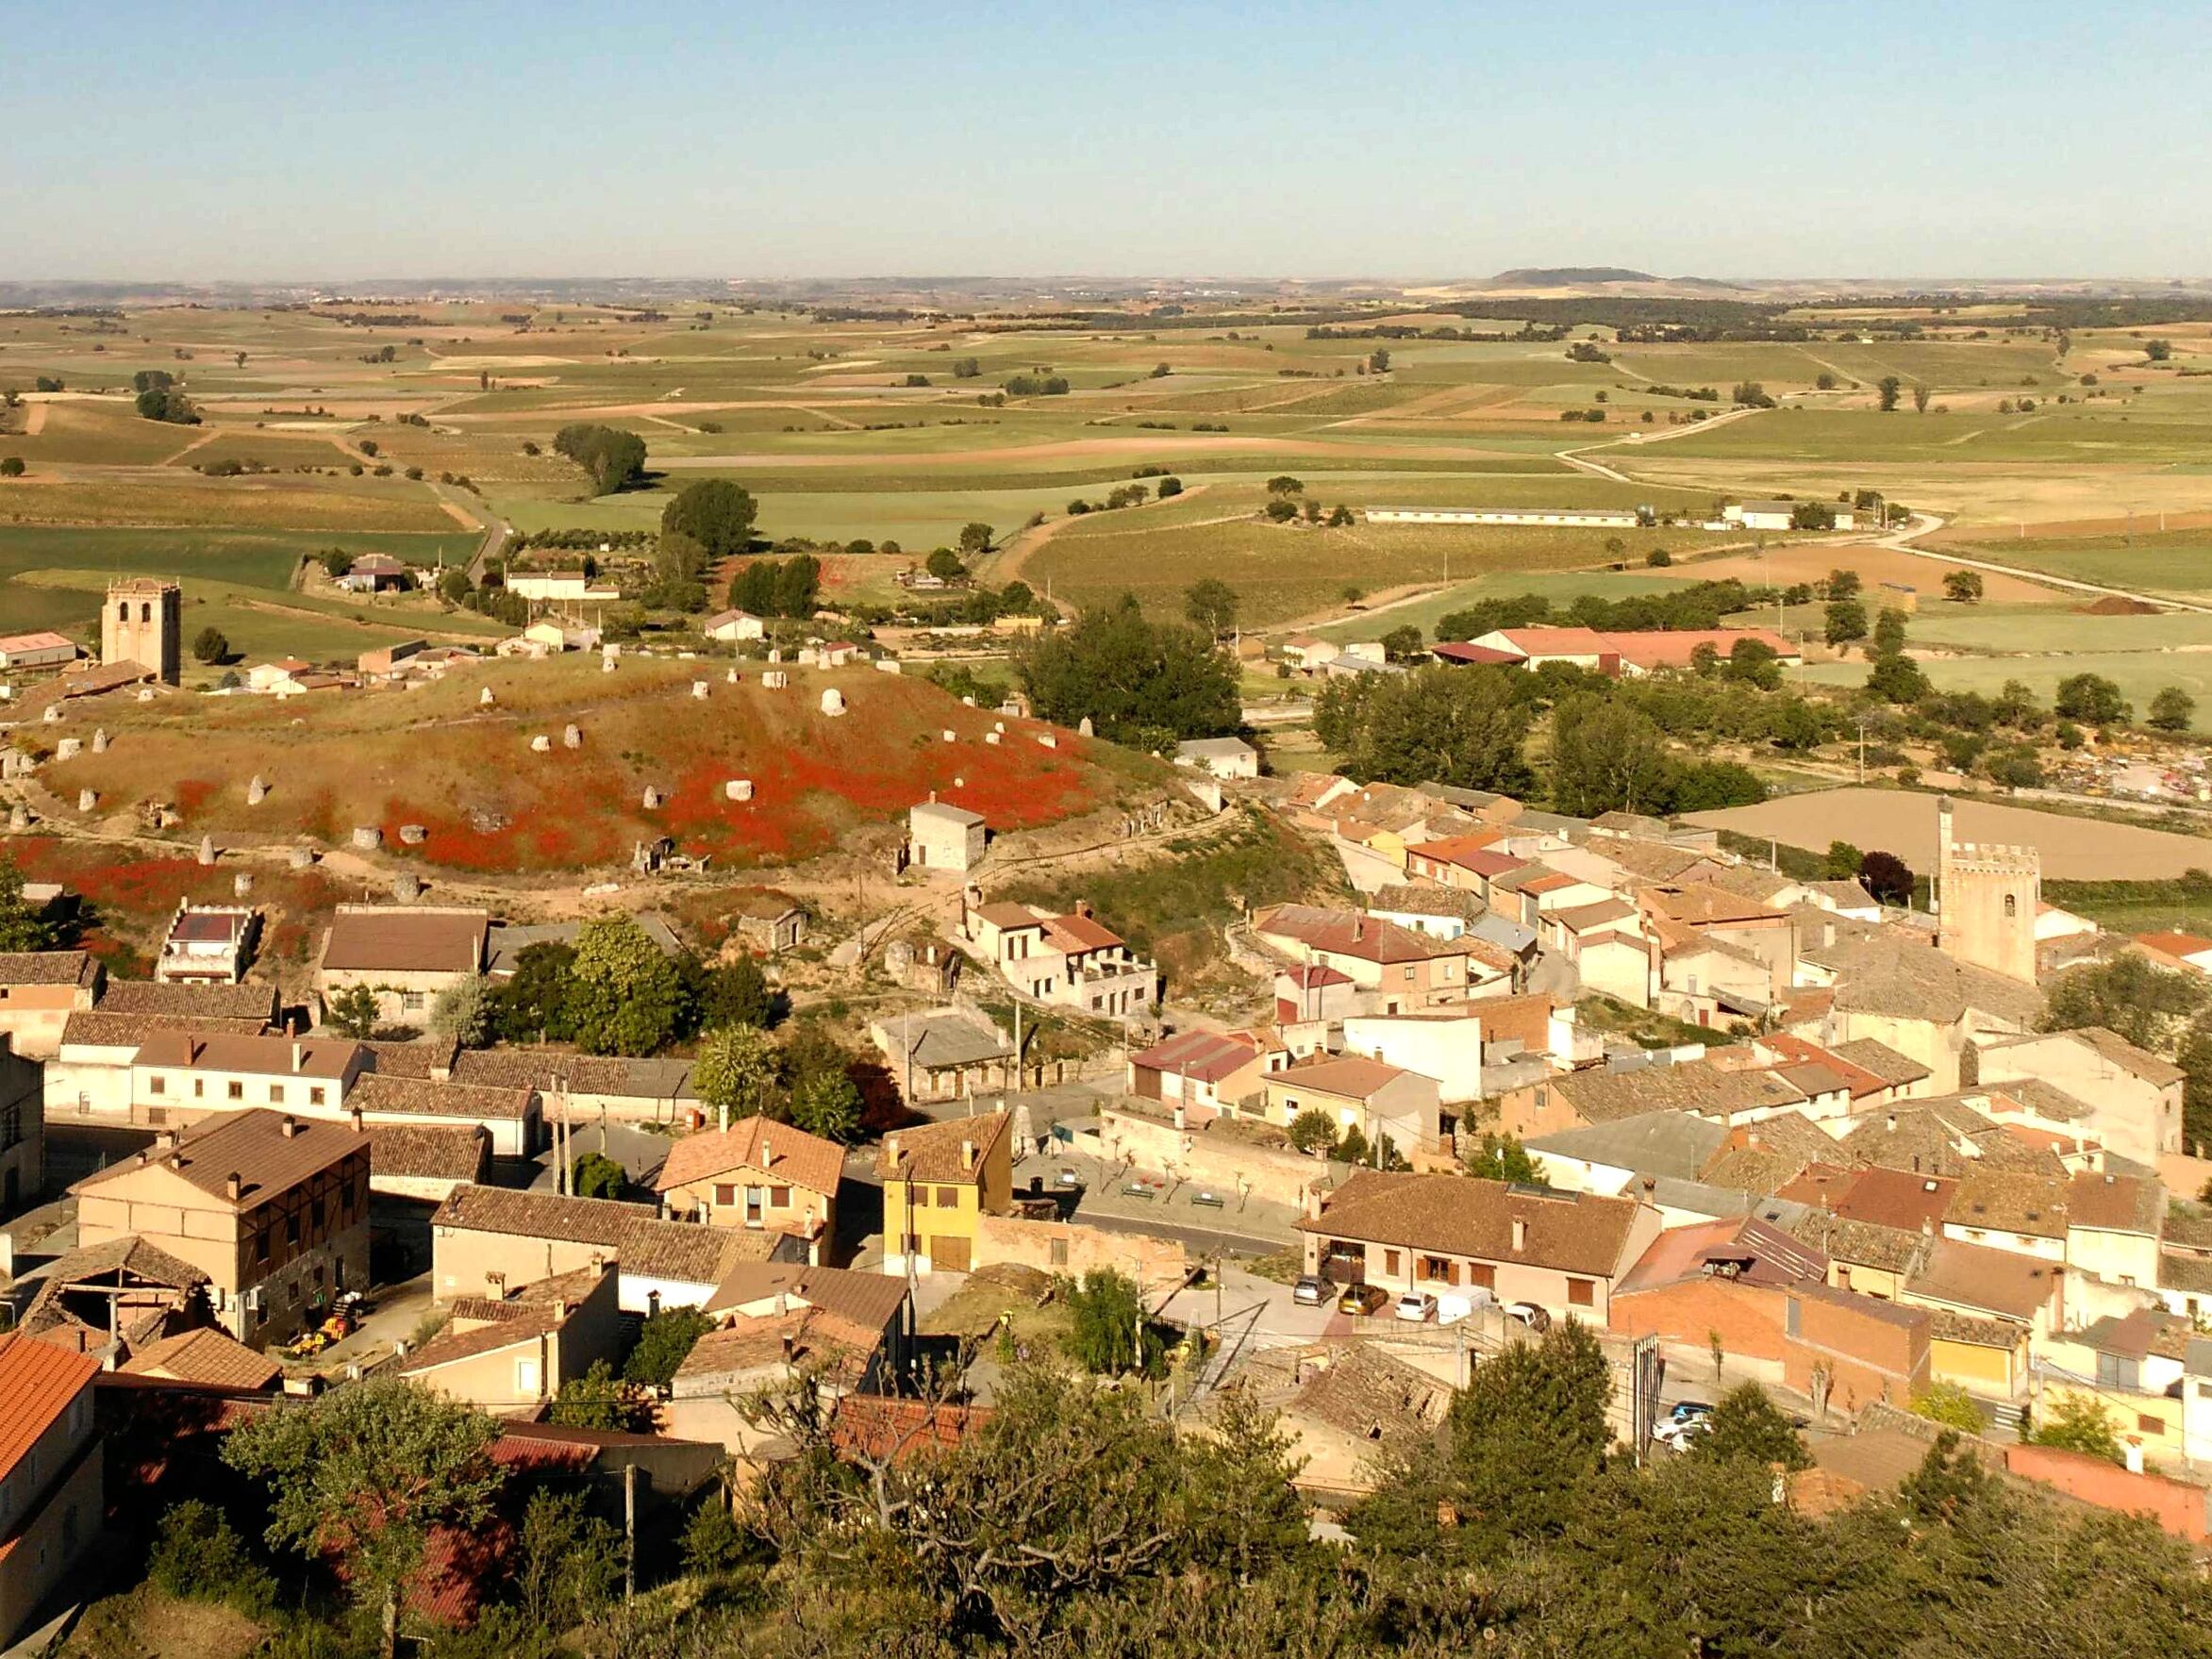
493	805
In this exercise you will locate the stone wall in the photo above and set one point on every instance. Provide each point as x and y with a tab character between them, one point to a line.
1076	1249
1211	1157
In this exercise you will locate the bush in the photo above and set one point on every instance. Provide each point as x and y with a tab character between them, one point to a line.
1313	1131
11	465
663	1342
210	646
1950	1405
198	1556
713	1542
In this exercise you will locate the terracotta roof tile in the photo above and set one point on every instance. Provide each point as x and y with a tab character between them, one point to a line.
251	1144
931	1152
782	1153
1459	1214
206	1355
77	968
38	1381
205	1001
364	938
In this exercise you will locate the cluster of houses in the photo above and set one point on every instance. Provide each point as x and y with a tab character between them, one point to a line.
1616	655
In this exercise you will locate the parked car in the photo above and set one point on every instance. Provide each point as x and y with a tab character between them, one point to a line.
1686	1410
1535	1318
1678	1435
1309	1291
1417	1307
1361	1299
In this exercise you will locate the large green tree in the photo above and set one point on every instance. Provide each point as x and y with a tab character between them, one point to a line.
715	513
23	925
1135	680
624	996
737	1073
1462	727
362	1474
532	1005
1608	756
1747	1424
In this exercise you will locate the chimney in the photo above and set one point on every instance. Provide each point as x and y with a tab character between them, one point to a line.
298	1054
1889	1123
1313	1200
233	1187
790	1348
1083	908
891	1150
967	1154
291	1126
1650	1189
767	1154
356	1120
1520	1235
1927	1226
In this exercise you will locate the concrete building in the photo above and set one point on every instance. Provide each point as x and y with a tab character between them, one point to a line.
40	991
513	1354
1781	515
731	626
51	1474
273	1208
142	623
180	1076
1355	1093
207	944
940	836
1224	757
755	1175
1466	1241
406	957
939	1180
43	650
23	1129
1072	960
2134	1097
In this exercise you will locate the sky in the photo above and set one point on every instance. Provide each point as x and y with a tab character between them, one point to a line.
309	142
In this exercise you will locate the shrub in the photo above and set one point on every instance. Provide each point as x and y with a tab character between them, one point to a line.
198	1556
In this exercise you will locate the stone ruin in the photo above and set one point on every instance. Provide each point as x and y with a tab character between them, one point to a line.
699	690
541	744
485	698
68	748
367	838
99	740
300	857
145	693
206	849
833	701
739	789
774	680
413	835
1046	740
967	703
992	737
19	819
1083	727
607	664
256	791
242	884
407	889
951	736
571	737
87	800
52	715
731	676
652	800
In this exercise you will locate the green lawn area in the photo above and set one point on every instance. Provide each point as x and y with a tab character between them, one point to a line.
2051	436
2175	561
2045	628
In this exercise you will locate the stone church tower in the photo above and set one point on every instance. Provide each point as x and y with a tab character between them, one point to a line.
143	622
1986	901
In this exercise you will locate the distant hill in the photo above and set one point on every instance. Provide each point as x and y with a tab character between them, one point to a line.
1566	276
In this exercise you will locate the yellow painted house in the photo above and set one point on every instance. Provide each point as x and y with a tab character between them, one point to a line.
939	1181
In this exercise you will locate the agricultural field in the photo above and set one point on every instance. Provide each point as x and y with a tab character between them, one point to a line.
2139	674
1903	823
495	806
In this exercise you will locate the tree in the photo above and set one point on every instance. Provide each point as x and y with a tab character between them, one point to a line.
712	1541
533	1005
1896	678
1501	1157
568	1563
1812	515
1403	644
1378	361
2157	351
2127	993
210	645
624	996
1844	584
1210	603
1746	1424
715	514
1463	726
596	1175
975	539
11	465
1950	1405
736	993
611	458
1107	1331
1844	620
601	1400
352	1012
1889	387
363	1473
736	1072
463	1011
1888	632
1885	877
1283	483
1963	586
1608	756
2077	1422
664	1341
1340	516
2092	698
1280	509
1313	1131
23	926
1843	861
1169	488
2172	710
828	1104
1920	400
1130	676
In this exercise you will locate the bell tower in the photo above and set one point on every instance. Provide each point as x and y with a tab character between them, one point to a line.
1986	901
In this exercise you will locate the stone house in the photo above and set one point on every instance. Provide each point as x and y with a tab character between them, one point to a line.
1375	1099
515	1353
755	1175
40	991
943	837
51	1476
405	956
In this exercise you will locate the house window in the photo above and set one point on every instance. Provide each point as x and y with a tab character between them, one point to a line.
725	1192
411	1002
261	1247
1481	1276
1842	1277
235	1090
779	1198
1793	1317
2116	1371
315	1096
157	1085
1408	974
1582	1292
292	1229
276	1094
1439	1270
1390	1263
315	1215
2011	904
948	1197
526	1378
199	1088
2149	1425
1059	1256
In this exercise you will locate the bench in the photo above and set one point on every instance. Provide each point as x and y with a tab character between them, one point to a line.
1212	1201
1139	1189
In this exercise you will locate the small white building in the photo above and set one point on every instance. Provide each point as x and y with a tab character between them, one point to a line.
207	944
1781	515
734	627
940	836
1226	758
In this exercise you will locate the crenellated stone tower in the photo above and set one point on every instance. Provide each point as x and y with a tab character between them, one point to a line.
1986	901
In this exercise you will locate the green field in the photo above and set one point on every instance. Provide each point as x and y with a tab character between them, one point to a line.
2139	674
2174	562
1561	586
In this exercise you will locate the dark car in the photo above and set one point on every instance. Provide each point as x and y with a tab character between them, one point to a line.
1361	1299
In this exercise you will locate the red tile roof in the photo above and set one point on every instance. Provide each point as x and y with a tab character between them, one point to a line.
777	1149
38	1381
1207	1055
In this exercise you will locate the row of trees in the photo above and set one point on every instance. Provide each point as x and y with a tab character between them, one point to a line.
611	458
1694	605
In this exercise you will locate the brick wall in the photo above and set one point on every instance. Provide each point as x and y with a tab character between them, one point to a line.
2177	1507
1074	1248
1748	1316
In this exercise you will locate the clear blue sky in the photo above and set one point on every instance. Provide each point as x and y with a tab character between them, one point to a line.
1942	138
